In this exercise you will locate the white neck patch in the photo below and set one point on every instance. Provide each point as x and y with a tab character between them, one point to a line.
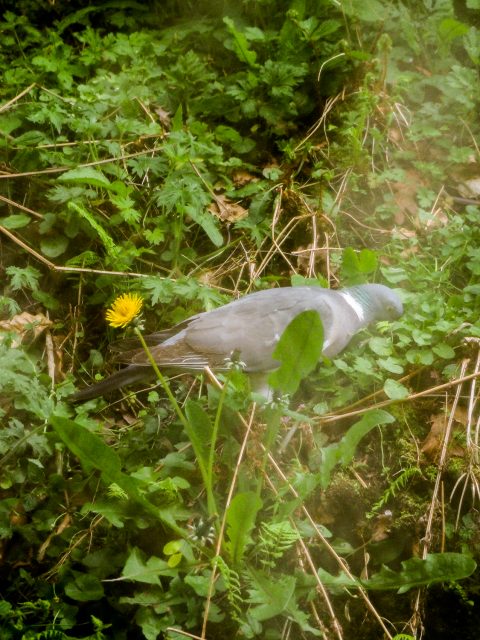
354	305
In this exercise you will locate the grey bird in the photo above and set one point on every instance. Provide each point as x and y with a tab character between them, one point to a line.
248	330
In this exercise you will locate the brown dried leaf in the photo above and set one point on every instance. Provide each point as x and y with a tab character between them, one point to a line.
26	326
226	210
405	195
241	178
432	445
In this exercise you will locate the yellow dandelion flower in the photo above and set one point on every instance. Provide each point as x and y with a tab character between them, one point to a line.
124	309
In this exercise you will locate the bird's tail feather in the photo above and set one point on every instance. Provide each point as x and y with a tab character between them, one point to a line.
129	375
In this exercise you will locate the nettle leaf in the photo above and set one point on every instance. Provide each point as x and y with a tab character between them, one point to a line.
391	364
298	350
241	516
86	175
342	452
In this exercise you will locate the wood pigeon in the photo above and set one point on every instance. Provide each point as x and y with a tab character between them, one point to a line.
248	330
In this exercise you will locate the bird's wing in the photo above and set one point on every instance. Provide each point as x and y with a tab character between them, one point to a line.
250	327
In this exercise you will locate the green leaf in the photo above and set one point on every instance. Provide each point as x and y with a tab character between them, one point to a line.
272	595
86	175
15	221
241	516
364	10
84	587
199	431
395	390
138	569
391	364
342	452
53	246
208	223
357	265
381	346
94	453
298	350
415	572
444	350
240	44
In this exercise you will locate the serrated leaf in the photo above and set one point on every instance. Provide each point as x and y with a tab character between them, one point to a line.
395	390
241	516
298	350
415	572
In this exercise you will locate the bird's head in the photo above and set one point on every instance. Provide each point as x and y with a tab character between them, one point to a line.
378	301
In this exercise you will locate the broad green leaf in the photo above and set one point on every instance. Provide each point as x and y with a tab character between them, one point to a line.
241	516
298	350
395	390
391	364
444	350
364	10
200	584
15	221
93	452
380	346
342	452
138	569
273	595
449	29
356	265
53	246
84	587
86	175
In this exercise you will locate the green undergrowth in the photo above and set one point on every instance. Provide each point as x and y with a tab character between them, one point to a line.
190	153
